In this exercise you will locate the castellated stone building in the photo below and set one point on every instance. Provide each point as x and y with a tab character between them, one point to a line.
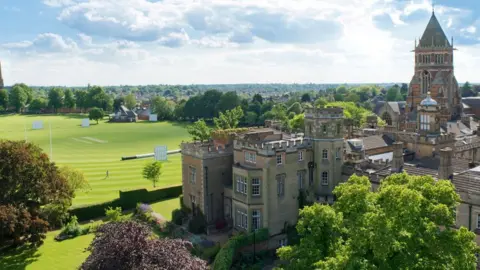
259	177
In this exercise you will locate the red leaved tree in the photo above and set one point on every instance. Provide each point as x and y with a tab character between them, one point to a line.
28	181
131	245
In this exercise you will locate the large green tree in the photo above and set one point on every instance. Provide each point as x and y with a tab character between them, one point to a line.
69	100
152	171
38	104
96	97
3	99
18	97
199	131
467	90
163	108
29	182
96	114
407	224
228	101
229	119
130	101
81	99
55	98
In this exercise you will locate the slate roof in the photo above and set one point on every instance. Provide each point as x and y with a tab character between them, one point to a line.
125	111
471	101
457	127
434	35
376	141
398	106
469	182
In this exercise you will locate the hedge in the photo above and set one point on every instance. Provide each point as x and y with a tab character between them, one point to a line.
224	258
127	200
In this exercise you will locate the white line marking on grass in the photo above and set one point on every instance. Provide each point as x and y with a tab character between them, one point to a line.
94	140
82	141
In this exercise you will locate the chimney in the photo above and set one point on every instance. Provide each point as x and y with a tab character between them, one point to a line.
397	162
445	170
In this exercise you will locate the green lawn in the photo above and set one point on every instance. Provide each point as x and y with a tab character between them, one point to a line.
99	148
68	254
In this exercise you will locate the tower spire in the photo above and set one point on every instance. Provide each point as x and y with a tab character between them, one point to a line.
433	7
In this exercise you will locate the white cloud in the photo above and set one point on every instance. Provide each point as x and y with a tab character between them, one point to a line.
58	3
207	41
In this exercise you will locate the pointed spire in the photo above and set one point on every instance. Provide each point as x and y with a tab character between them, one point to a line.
433	34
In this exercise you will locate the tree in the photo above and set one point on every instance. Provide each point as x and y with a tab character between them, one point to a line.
163	108
210	100
228	101
306	98
3	99
38	104
55	98
320	102
152	172
75	178
130	101
96	97
257	98
199	131
352	97
81	99
407	224
117	102
467	90
393	94
29	183
251	118
69	99
298	123
95	114
295	108
18	97
229	119
114	248
404	91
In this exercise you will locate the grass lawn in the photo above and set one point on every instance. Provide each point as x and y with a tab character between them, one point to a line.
65	255
99	148
68	254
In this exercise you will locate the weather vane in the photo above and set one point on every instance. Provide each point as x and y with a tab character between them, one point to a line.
433	6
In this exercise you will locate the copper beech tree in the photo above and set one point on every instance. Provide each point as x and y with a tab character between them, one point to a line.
131	245
28	181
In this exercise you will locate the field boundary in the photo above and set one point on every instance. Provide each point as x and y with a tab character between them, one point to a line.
127	200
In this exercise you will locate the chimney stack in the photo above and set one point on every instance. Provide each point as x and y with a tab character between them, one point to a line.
445	170
397	162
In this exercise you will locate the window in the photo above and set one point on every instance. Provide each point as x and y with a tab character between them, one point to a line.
300	155
324	178
425	120
337	153
193	200
325	154
255	186
241	184
301	179
250	157
324	128
280	185
282	242
478	221
193	175
256	220
242	219
279	159
426	80
339	129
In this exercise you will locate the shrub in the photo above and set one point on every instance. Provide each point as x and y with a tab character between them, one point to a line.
56	214
178	216
197	224
71	230
113	214
143	212
224	258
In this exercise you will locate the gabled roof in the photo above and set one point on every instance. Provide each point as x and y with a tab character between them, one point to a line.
397	106
434	35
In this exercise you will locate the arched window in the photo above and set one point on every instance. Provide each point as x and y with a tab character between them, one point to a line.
386	117
426	80
325	154
324	178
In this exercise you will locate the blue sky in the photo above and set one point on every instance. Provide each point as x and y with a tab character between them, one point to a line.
112	42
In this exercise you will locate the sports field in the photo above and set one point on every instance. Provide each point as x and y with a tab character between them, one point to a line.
99	148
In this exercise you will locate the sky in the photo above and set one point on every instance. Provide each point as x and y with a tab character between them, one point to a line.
138	42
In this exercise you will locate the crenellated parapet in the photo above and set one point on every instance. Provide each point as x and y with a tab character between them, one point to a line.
204	149
270	148
324	113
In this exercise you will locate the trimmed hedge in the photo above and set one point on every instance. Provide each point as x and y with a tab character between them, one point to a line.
224	258
127	200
